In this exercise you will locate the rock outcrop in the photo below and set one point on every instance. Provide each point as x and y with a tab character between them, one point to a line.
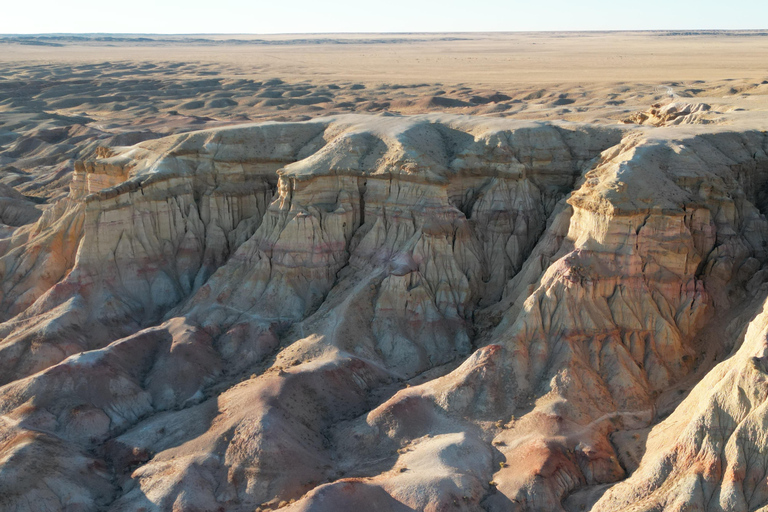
674	113
399	313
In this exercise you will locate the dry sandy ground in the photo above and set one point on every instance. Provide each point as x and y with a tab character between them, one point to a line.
594	75
495	60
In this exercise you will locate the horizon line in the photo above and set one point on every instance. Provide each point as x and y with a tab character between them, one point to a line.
431	32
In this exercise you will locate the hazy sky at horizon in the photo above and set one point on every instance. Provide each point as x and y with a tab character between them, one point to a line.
312	16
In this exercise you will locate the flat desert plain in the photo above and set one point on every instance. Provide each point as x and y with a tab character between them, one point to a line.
585	76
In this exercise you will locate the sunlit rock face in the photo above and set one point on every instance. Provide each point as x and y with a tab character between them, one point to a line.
391	313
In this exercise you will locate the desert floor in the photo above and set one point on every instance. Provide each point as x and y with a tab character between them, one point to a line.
572	76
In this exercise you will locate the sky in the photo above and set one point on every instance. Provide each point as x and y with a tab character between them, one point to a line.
324	16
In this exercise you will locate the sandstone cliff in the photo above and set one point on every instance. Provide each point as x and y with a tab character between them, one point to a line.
410	313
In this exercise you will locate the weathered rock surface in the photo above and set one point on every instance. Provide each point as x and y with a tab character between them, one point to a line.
674	113
392	313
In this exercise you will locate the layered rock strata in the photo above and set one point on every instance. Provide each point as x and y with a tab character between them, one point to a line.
413	313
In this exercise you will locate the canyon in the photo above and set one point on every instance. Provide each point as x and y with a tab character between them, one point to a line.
378	310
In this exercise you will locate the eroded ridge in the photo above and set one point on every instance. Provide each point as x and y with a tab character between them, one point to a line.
426	313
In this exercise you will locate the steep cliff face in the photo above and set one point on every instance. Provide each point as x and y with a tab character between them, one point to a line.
421	313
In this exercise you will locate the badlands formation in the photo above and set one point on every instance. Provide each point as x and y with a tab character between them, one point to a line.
369	309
